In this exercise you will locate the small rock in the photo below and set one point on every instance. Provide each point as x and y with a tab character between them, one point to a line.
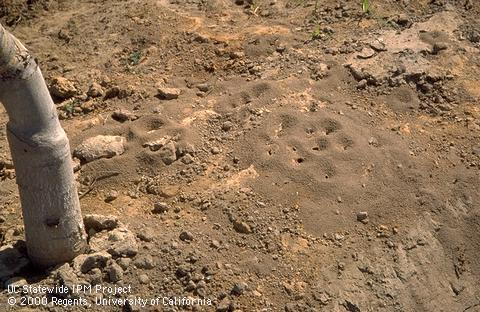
112	92
146	235
101	146
377	46
184	148
186	236
215	244
123	115
204	87
111	196
242	227
280	48
362	84
366	53
95	90
227	126
157	144
373	141
215	150
95	276
351	307
124	263
124	245
168	153
160	207
362	216
239	288
439	46
143	278
88	107
100	222
168	93
145	262
224	306
403	20
187	159
66	276
119	242
237	55
85	263
115	272
62	88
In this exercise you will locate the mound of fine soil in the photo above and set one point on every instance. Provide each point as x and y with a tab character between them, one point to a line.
270	155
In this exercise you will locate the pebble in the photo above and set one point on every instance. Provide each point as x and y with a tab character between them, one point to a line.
224	306
227	126
111	196
124	263
239	288
362	216
124	247
100	222
168	93
186	236
115	272
124	115
168	153
146	236
373	141
362	84
366	53
95	276
100	146
439	46
144	262
95	90
242	227
157	144
377	46
62	88
215	150
86	262
143	278
160	207
187	159
204	87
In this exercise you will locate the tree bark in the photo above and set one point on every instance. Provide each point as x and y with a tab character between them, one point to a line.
54	229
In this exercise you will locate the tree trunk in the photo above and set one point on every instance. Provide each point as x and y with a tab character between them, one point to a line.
54	229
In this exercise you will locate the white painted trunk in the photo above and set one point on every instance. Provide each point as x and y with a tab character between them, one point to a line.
40	150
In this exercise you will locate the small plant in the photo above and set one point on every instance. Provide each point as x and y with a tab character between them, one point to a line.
317	33
134	58
69	107
254	7
365	6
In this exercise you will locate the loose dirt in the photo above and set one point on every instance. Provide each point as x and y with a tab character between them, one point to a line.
300	156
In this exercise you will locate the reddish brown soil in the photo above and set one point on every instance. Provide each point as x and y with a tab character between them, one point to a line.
312	115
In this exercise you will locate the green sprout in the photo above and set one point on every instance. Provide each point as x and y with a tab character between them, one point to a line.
69	107
365	6
134	58
317	33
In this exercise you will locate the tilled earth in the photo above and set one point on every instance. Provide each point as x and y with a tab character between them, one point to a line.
268	155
